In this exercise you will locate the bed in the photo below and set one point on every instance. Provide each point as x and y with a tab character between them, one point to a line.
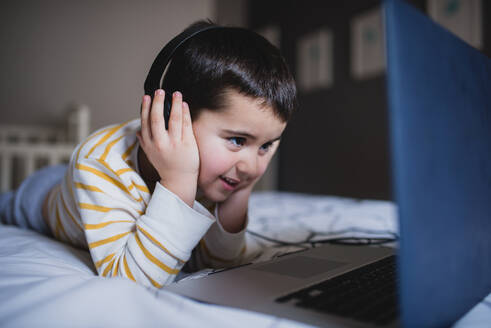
47	283
44	282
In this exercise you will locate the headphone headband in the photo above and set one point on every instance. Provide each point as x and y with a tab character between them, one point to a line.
157	69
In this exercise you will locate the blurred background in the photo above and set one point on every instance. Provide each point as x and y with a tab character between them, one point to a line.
57	53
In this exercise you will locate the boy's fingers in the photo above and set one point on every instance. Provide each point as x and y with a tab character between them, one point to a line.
175	119
187	125
157	124
145	108
140	138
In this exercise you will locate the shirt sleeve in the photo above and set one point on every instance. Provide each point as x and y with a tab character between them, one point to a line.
219	248
147	243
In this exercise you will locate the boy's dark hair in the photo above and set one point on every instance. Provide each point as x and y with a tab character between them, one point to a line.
218	60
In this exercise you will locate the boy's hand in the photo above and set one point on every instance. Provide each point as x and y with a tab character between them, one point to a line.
173	152
233	211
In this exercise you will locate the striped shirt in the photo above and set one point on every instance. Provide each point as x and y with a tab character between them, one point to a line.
104	205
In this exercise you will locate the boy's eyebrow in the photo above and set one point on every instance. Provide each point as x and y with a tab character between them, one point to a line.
248	135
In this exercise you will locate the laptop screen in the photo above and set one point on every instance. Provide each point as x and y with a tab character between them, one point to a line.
440	118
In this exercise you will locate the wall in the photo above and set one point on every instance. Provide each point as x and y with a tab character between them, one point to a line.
56	52
232	13
337	143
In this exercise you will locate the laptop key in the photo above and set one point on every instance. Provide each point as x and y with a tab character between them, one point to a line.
367	294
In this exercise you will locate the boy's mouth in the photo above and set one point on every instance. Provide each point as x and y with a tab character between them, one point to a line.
229	183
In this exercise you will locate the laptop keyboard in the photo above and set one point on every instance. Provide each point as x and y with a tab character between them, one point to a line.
367	294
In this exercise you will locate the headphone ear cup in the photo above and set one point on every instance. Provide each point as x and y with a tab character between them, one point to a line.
167	107
153	80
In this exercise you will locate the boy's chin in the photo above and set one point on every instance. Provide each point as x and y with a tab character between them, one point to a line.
214	196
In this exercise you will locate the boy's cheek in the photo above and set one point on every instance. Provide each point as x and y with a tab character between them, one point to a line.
261	169
214	164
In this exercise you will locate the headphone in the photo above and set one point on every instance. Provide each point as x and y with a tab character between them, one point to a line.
152	82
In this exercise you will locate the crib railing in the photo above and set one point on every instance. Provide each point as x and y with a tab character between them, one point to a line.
24	149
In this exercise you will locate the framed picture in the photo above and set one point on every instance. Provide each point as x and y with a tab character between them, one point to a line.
461	17
315	60
367	44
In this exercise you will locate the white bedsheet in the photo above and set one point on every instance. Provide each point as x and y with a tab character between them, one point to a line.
47	283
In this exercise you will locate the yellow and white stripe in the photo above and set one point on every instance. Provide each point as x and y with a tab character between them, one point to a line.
104	205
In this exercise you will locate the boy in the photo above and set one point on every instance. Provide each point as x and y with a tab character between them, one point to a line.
129	193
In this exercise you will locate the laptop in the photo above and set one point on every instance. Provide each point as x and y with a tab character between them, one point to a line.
439	96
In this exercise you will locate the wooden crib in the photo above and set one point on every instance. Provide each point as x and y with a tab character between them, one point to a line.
24	149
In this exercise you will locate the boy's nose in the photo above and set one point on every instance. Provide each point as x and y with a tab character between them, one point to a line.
247	166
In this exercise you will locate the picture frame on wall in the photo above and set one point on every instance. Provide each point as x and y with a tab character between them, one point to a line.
367	44
461	17
315	54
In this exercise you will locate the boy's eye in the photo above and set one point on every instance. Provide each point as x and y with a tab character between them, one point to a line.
266	146
237	141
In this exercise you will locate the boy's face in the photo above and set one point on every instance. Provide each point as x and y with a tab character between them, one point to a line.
235	145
